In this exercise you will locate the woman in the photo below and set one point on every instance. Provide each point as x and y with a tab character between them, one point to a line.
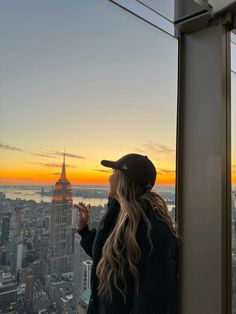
135	249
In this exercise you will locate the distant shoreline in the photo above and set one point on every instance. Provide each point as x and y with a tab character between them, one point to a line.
73	185
94	194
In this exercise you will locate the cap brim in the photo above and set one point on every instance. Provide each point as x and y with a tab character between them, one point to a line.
108	163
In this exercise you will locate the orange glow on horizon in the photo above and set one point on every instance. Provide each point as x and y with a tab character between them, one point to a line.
82	178
234	178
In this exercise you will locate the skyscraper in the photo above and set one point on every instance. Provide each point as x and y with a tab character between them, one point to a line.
86	274
8	293
18	221
80	284
60	254
28	279
5	228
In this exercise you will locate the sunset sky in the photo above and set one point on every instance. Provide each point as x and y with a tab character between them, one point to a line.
87	77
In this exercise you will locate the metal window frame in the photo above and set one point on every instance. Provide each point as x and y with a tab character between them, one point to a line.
148	15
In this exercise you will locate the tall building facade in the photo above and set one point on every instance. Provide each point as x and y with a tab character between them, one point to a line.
18	221
15	254
86	275
8	293
27	277
60	253
5	228
80	283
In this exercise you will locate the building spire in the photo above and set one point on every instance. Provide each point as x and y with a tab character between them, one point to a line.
63	172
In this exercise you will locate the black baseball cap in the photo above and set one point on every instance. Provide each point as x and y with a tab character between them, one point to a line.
138	168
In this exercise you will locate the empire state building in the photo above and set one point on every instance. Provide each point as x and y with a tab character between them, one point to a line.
60	254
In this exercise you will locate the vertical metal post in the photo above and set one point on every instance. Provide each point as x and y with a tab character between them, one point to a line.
203	170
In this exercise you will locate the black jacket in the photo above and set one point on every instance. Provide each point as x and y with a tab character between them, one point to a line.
158	293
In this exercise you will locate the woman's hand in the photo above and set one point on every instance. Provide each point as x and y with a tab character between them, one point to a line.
84	213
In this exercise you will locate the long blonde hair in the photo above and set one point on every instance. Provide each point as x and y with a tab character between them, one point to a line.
122	238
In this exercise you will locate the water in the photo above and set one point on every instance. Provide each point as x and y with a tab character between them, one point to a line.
33	192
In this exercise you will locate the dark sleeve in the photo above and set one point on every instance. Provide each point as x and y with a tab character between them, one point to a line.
158	274
88	235
87	238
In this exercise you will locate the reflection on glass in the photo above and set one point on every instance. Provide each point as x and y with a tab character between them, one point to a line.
93	79
233	158
164	8
175	9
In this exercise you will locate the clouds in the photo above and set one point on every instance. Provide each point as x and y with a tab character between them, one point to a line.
56	153
51	165
156	149
166	171
161	155
42	155
51	154
234	168
11	148
159	171
102	170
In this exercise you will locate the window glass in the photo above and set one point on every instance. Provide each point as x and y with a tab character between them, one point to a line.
81	81
164	8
